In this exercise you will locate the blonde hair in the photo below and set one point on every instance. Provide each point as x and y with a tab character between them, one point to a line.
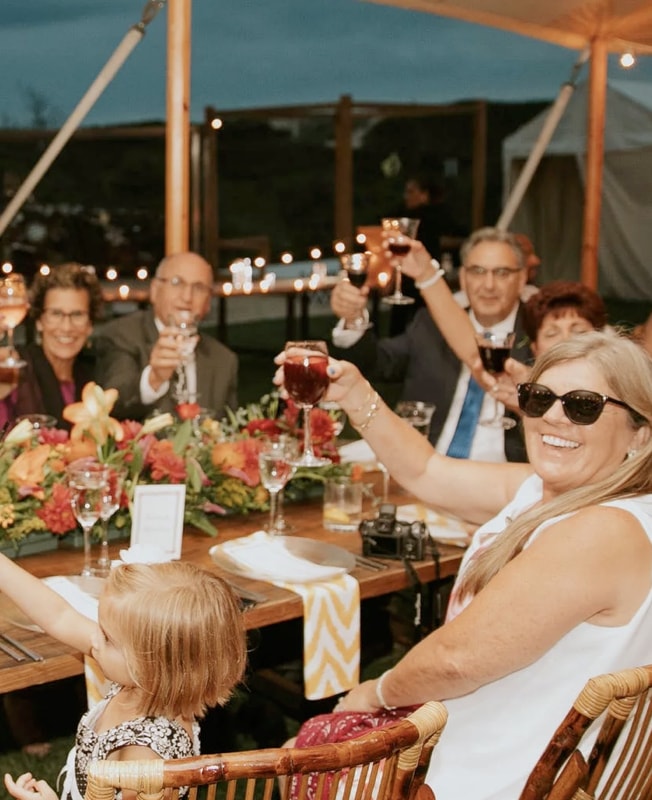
181	632
627	369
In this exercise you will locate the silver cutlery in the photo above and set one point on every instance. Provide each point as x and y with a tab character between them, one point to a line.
21	647
11	652
372	564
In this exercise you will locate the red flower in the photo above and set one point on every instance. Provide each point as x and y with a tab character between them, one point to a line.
188	410
267	427
57	511
130	430
291	414
52	436
165	463
322	426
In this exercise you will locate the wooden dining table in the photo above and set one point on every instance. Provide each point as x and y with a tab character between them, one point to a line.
276	604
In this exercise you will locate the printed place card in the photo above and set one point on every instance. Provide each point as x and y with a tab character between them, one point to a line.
157	520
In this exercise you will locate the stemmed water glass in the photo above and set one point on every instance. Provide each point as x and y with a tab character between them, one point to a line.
357	270
276	465
399	231
111	495
494	351
88	484
291	447
13	308
186	332
306	380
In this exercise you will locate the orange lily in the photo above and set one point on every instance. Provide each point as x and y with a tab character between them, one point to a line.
90	417
27	469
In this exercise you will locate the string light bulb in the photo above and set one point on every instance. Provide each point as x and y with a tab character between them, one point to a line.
627	60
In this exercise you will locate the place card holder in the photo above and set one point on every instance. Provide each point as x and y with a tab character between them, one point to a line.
157	519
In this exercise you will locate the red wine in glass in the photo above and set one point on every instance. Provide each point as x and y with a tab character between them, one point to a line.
306	379
494	349
398	248
493	358
358	279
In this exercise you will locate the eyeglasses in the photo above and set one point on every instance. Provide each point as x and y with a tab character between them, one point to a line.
179	285
55	316
581	406
501	273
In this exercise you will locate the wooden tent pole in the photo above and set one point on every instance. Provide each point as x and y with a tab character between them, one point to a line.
594	162
177	143
344	170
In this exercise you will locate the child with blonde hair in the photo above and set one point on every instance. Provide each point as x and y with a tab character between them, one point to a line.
171	639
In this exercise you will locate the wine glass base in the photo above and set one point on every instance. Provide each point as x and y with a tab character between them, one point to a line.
311	461
282	528
398	300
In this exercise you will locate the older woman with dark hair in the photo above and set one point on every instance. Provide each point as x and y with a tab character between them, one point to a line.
65	303
561	309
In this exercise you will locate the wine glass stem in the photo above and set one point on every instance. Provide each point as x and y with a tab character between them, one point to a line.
87	569
398	280
103	562
280	520
272	511
10	343
307	433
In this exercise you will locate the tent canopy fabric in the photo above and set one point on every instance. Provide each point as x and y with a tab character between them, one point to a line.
623	24
551	211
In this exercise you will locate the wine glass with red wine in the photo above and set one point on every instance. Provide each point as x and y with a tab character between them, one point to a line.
399	231
357	270
495	349
306	380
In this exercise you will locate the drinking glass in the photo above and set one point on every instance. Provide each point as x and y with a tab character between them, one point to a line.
399	230
111	494
276	468
88	483
291	447
417	413
357	270
13	308
494	351
186	332
306	381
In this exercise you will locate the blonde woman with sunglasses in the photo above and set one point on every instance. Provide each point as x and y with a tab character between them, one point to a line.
557	583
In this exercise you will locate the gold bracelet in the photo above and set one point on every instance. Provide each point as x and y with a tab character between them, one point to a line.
371	413
365	402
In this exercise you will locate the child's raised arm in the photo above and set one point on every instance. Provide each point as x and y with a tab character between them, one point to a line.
45	607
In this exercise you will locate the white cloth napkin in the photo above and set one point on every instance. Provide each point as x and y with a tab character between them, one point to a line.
70	590
358	451
266	557
144	554
440	527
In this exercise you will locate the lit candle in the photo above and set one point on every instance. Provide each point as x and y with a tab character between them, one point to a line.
227	288
123	291
314	280
383	279
247	287
298	285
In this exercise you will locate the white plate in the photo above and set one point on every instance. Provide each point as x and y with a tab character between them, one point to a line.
309	550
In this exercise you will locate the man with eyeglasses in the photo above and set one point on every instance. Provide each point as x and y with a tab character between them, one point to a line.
492	275
142	354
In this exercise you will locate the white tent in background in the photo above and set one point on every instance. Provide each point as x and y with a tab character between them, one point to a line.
551	211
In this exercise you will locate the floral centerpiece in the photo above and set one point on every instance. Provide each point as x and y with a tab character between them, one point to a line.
217	461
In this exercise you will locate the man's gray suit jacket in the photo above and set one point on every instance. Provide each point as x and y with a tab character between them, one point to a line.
124	346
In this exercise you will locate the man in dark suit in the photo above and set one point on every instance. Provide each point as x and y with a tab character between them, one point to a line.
493	275
140	354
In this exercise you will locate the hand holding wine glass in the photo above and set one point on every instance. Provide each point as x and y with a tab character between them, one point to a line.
495	349
184	327
13	309
306	381
357	271
398	233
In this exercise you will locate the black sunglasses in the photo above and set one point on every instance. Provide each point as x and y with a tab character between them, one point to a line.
580	406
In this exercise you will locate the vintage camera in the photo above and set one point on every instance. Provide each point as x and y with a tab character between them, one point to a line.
386	537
